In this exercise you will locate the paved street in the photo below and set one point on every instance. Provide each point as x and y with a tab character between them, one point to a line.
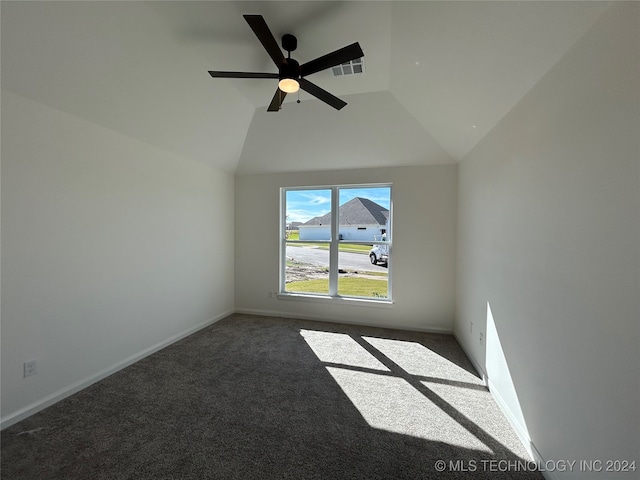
347	261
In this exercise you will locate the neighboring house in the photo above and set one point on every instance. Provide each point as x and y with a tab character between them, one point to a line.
360	220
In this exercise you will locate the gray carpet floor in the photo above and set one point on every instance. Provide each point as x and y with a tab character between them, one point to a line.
255	397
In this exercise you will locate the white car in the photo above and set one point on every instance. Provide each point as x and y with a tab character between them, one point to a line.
379	253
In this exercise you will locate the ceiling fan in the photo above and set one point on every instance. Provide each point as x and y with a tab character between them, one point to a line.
290	73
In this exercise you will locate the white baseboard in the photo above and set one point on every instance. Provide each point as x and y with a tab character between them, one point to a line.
69	390
538	458
329	319
522	433
475	364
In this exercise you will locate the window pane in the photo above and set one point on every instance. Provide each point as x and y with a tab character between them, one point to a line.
357	277
307	268
364	213
309	212
363	216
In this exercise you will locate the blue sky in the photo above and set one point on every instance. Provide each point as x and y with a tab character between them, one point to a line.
302	205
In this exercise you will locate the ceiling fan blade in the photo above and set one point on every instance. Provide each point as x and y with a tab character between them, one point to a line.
343	55
276	101
215	74
321	94
260	28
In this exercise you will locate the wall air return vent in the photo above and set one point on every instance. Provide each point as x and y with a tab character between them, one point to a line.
349	68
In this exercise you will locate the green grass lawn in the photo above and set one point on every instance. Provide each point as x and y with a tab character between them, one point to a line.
348	286
294	235
343	247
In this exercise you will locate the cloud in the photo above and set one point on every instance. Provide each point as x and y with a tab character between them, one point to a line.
300	215
303	205
315	199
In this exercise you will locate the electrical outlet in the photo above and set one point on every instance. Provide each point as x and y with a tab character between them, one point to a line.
481	338
30	368
470	327
269	294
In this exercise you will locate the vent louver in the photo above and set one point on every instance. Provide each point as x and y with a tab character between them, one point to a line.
349	68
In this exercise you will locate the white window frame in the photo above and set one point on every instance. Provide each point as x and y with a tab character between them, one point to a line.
334	244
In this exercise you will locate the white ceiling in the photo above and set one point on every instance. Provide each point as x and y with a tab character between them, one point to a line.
439	75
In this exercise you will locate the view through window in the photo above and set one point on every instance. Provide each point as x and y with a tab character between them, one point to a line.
336	241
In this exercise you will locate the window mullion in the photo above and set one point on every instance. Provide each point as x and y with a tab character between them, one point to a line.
333	250
283	243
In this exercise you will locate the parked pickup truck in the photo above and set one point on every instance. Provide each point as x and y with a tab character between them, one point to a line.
379	253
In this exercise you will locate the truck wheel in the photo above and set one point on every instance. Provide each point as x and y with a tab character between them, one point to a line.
373	258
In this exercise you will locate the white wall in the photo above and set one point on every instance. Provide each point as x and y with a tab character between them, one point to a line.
549	237
368	233
110	248
423	267
314	232
361	233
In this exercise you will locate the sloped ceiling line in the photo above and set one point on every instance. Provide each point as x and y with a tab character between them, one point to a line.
439	75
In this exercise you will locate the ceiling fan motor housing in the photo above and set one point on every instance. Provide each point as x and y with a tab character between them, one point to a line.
290	69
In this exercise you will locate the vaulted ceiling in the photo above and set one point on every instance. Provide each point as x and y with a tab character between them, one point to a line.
438	75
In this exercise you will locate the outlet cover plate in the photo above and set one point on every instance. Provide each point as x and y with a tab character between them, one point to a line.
30	368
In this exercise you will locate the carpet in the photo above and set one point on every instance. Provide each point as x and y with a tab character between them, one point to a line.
254	397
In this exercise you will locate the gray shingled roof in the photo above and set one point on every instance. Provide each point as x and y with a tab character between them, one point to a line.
357	211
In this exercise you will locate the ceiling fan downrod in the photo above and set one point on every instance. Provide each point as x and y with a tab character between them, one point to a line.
289	43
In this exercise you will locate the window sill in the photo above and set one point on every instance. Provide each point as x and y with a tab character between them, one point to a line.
364	302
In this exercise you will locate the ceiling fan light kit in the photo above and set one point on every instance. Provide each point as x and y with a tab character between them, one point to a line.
288	85
290	73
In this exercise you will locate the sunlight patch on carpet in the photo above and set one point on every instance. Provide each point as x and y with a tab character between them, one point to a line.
392	404
341	349
416	359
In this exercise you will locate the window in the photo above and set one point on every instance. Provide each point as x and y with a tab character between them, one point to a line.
336	241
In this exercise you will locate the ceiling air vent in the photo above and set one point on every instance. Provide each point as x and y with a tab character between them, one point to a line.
349	68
